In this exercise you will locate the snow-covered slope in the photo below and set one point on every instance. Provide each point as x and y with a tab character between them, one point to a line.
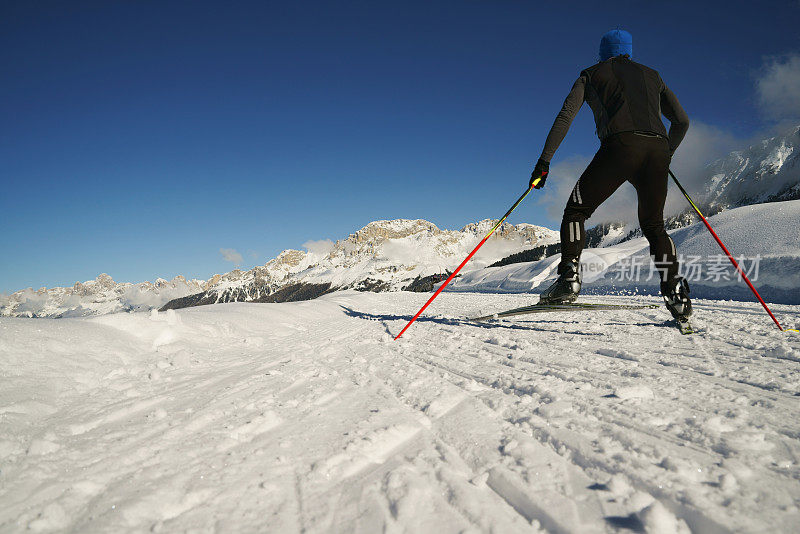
769	231
308	417
383	255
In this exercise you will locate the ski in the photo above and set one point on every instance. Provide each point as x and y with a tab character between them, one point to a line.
545	308
685	326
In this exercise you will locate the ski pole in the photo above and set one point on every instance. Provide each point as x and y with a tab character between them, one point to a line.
495	227
730	256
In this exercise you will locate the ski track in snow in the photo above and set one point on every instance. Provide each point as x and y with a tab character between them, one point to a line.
309	417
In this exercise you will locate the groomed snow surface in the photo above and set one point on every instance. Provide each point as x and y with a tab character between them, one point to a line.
309	417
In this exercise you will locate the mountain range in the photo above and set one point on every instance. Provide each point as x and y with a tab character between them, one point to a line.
381	256
410	254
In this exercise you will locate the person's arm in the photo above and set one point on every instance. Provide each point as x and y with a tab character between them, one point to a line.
564	119
678	119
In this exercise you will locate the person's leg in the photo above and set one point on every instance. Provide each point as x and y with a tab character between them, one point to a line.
651	188
611	167
613	164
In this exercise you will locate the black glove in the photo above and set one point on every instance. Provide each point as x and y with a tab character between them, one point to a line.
540	171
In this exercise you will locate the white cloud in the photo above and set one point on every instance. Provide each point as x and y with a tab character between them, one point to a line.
137	298
33	302
5	300
231	255
321	247
778	87
560	182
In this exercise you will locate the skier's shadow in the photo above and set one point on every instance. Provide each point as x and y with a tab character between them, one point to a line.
390	317
384	318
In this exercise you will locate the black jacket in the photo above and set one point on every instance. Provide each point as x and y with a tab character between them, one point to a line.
625	96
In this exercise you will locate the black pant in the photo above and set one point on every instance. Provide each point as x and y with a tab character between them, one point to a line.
641	160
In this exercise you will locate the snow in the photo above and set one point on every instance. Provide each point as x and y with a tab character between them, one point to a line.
766	230
308	416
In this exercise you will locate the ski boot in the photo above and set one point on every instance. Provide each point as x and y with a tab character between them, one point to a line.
676	298
566	288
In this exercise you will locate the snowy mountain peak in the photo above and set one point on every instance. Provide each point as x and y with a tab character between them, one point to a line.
102	282
394	229
528	231
766	171
481	226
290	257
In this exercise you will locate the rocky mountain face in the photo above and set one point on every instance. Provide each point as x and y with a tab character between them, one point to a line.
381	256
765	172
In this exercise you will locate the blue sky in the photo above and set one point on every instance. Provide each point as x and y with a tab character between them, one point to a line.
141	137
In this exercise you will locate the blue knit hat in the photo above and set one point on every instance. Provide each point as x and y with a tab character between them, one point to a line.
616	43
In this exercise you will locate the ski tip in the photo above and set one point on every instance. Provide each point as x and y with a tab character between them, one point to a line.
793	330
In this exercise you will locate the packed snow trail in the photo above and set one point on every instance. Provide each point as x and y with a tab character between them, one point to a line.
308	417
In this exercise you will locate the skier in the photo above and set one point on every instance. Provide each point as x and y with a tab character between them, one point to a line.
627	99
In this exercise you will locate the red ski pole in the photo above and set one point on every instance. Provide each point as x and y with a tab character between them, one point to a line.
730	256
463	263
